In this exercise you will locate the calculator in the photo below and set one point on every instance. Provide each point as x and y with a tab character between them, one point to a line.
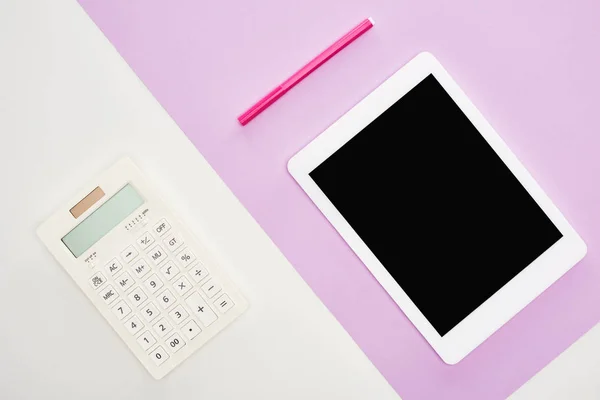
160	289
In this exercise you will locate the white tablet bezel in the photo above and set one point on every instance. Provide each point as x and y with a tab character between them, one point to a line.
512	297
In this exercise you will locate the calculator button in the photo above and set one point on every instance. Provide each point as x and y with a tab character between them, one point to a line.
145	240
162	327
141	268
129	254
137	296
175	343
182	285
211	288
147	340
153	283
185	257
166	299
173	241
109	294
113	267
158	255
125	281
134	325
201	309
121	310
169	270
150	312
191	329
178	314
97	280
159	355
162	227
198	272
224	303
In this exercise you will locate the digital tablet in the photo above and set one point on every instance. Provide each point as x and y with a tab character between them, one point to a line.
438	208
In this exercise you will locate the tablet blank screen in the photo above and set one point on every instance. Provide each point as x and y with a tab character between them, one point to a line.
436	205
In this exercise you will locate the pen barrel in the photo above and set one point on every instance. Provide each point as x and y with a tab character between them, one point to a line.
262	104
306	70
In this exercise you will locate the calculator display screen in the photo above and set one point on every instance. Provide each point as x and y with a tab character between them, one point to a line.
103	220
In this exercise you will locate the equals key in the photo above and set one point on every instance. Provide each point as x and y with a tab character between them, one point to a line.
224	303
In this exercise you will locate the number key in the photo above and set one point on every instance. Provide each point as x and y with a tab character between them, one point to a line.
150	312
166	299
134	325
178	314
153	283
146	340
137	296
175	343
162	327
159	355
121	310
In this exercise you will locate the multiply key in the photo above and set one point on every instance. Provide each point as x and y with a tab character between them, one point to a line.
182	285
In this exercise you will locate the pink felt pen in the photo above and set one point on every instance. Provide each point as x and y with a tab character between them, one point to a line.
315	63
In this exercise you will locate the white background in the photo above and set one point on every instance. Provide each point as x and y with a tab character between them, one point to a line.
69	107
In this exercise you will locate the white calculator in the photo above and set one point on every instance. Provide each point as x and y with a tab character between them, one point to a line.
155	284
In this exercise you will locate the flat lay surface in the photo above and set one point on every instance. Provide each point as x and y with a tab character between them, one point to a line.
531	69
69	108
572	375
